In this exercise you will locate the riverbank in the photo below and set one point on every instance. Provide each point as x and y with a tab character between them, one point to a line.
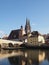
26	47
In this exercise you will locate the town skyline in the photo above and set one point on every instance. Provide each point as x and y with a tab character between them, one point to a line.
13	14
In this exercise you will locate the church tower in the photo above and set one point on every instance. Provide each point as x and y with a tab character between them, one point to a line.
27	26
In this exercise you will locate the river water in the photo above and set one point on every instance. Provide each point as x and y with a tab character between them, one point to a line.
24	57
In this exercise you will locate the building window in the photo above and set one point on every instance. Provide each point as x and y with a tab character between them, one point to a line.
14	36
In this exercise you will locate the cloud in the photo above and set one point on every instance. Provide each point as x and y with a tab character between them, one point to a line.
1	33
33	24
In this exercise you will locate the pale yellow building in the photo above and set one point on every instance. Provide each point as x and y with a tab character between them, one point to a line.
36	39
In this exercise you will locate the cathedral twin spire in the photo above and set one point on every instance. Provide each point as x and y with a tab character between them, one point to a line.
27	26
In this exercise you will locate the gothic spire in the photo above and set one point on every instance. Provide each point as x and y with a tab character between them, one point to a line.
27	26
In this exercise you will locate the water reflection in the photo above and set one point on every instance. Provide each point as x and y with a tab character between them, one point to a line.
9	53
24	57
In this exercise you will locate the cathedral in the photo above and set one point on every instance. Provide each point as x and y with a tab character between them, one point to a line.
25	35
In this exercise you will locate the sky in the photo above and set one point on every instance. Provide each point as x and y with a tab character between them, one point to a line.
13	14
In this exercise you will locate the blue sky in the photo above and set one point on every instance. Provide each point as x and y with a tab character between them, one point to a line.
13	14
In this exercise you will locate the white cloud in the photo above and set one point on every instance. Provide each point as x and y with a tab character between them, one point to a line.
33	24
1	33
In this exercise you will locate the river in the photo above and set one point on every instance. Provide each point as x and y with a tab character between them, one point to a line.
24	57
